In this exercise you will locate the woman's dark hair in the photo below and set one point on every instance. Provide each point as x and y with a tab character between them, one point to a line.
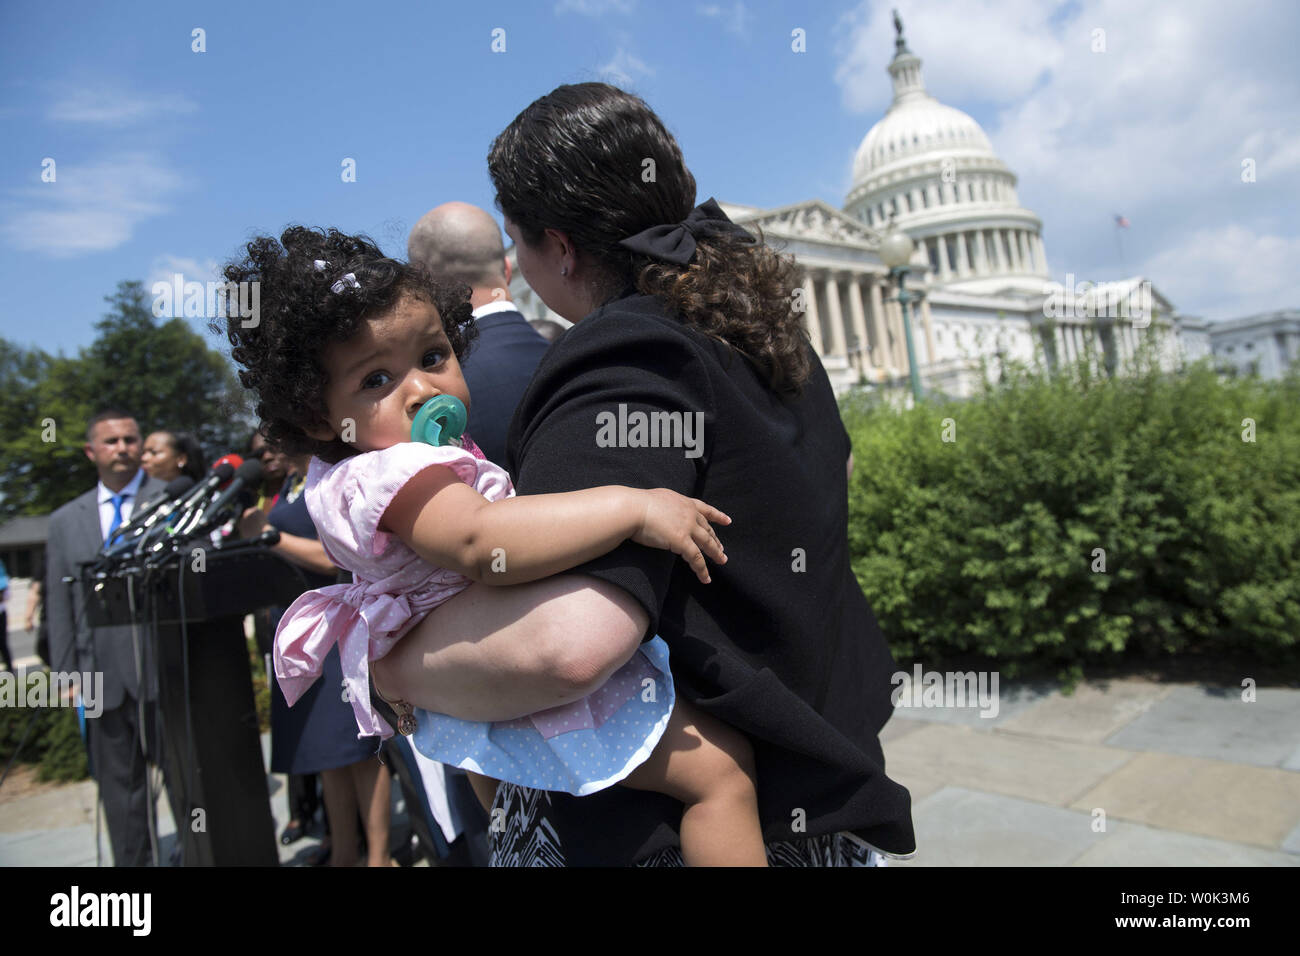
183	443
574	160
299	314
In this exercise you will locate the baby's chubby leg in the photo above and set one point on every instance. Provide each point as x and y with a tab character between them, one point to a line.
709	766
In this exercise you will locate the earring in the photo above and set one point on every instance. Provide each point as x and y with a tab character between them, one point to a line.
564	271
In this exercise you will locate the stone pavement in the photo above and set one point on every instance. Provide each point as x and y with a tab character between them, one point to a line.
1185	774
1177	774
57	827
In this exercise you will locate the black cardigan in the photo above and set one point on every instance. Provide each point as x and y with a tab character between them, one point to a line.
782	644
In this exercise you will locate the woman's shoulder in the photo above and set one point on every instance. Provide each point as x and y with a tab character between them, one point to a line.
634	325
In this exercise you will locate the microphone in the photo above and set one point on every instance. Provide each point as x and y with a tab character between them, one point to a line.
222	471
248	477
147	517
267	539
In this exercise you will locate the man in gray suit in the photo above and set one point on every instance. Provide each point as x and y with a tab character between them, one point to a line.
118	738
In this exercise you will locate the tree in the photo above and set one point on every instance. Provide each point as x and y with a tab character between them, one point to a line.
163	374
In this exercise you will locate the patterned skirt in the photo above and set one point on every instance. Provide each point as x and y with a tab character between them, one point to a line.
527	838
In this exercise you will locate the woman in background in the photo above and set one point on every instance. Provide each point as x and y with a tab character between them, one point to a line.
168	455
318	734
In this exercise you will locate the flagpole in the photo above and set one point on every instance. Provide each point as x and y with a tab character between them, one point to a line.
1120	224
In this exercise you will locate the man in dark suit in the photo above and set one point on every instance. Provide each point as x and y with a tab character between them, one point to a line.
462	242
117	736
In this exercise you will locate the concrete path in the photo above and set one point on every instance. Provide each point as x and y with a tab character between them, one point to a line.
1123	772
57	827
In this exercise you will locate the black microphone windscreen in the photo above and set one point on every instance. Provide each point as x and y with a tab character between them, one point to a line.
178	486
225	470
251	471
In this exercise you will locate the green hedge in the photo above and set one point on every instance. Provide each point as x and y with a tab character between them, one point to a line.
983	547
53	744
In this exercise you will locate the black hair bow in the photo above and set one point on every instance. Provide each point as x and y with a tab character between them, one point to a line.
676	242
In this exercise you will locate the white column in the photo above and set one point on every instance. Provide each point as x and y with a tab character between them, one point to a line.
1042	254
1026	256
999	251
859	318
880	355
929	331
1012	251
945	267
810	315
981	254
963	260
839	345
900	345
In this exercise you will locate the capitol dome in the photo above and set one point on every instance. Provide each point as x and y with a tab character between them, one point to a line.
913	127
931	169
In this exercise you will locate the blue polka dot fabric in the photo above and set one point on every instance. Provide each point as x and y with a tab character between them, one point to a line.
579	748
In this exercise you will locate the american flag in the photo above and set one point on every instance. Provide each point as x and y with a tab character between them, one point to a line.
1121	222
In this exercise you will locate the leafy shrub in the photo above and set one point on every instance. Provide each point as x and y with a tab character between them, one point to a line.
986	546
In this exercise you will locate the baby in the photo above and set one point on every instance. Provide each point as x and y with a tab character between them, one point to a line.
348	347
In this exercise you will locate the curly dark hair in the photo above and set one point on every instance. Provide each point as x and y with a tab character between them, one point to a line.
280	355
573	160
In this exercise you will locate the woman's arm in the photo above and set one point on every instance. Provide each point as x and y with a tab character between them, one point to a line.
305	552
493	653
522	539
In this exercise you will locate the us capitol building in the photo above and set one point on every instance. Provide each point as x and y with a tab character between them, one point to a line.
979	263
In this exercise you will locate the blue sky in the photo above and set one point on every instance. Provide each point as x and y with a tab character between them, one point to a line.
167	159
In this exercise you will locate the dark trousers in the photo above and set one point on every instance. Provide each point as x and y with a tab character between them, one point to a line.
303	798
114	739
4	639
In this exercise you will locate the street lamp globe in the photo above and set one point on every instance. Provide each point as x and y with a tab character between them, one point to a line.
896	247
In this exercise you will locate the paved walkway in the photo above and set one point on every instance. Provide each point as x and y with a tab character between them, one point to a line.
1123	772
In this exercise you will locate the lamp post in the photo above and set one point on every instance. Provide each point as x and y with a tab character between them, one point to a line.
896	253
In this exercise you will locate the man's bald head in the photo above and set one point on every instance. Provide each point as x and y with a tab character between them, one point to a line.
461	242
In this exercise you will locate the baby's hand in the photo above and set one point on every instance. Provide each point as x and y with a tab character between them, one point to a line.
679	524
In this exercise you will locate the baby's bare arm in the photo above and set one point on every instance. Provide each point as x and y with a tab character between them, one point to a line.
527	538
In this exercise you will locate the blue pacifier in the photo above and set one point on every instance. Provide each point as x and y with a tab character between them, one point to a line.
440	421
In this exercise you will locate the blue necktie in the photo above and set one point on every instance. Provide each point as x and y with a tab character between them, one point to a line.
117	516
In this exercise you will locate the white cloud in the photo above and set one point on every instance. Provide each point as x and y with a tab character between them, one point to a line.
89	208
1155	127
1229	271
623	69
108	107
165	267
595	8
982	49
734	20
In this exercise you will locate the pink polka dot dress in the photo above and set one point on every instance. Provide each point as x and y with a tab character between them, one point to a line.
577	748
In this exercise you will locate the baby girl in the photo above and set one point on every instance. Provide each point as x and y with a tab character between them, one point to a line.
348	348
